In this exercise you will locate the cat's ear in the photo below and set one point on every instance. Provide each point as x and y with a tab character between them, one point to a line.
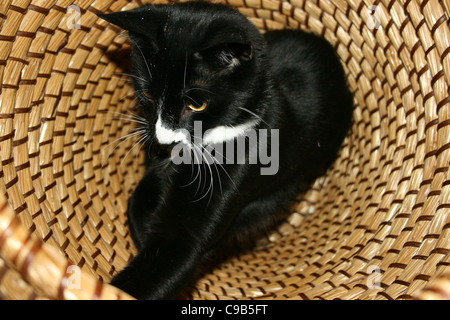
227	50
142	21
240	51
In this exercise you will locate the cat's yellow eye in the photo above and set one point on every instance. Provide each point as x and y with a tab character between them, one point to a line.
196	107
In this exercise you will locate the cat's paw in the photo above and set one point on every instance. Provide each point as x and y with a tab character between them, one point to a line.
140	286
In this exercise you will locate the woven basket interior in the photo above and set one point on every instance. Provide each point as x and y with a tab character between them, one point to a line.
376	226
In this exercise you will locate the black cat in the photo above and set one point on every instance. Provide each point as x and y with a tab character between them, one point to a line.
236	122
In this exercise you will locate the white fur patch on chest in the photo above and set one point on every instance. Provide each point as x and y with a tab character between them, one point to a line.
222	134
219	134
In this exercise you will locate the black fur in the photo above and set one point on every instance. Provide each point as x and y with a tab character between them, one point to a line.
286	80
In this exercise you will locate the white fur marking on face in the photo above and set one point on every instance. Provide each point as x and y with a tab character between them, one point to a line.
228	59
222	134
168	136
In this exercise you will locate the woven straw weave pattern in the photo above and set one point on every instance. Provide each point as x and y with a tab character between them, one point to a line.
377	226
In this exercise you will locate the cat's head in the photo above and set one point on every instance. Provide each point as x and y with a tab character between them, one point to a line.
194	62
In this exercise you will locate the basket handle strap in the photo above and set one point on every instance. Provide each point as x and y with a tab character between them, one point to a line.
43	266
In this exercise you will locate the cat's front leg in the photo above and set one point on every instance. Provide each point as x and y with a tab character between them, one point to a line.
143	203
176	243
160	269
178	235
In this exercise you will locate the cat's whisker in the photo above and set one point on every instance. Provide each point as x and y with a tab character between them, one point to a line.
224	170
124	138
185	70
198	147
148	148
220	179
192	169
131	149
161	165
223	156
215	162
123	79
196	102
206	166
199	165
132	93
136	116
147	137
253	114
127	120
128	136
131	75
192	163
127	117
132	115
220	165
211	184
200	89
145	60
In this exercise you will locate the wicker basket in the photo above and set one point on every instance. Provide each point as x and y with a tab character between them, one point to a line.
377	226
